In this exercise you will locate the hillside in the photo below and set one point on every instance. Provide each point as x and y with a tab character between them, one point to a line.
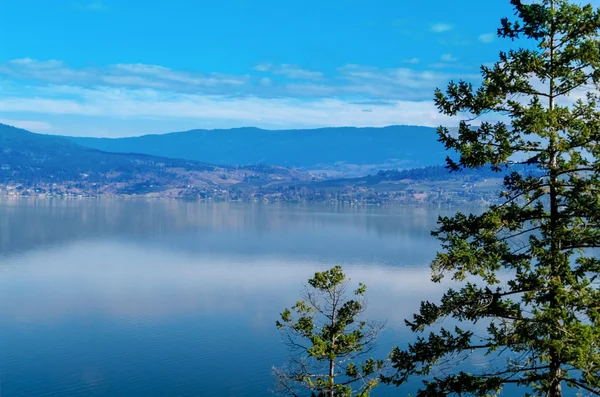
432	185
34	164
59	166
338	151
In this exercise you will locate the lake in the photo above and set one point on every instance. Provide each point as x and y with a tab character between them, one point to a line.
171	298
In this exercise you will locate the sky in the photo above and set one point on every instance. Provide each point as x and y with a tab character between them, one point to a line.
116	68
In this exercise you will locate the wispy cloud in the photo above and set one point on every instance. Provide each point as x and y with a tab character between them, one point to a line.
263	67
412	61
125	75
28	124
95	6
441	27
295	72
448	58
487	37
449	61
298	97
131	103
290	71
396	83
349	80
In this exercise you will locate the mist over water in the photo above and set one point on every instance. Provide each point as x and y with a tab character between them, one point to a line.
126	297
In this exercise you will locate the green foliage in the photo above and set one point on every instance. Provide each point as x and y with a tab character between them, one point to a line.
528	268
441	173
326	341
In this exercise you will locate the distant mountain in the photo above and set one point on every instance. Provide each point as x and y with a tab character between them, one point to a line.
59	165
33	164
346	150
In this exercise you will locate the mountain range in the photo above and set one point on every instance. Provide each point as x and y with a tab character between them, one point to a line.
57	164
35	164
345	151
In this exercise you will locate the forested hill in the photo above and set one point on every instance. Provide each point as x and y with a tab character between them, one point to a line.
28	156
34	164
436	174
49	162
346	149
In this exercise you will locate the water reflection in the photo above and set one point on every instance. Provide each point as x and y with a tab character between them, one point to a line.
113	279
27	224
169	298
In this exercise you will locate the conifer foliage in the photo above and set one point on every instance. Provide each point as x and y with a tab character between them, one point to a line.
528	270
327	341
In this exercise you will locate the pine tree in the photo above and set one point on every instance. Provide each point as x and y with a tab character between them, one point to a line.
542	324
327	342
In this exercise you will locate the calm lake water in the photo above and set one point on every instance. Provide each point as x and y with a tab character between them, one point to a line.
167	298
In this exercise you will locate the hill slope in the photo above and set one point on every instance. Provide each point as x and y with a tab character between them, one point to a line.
58	164
33	164
348	150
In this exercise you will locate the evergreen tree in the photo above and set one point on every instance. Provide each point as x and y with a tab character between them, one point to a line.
542	325
327	342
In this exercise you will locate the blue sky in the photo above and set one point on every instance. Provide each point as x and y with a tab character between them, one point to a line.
131	67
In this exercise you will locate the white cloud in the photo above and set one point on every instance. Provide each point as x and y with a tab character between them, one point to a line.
295	72
441	27
51	71
162	73
135	81
400	83
290	71
296	98
263	67
131	103
28	124
128	75
487	37
412	61
357	80
448	58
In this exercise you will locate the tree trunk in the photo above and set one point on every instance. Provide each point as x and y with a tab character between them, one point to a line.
555	387
331	376
332	362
